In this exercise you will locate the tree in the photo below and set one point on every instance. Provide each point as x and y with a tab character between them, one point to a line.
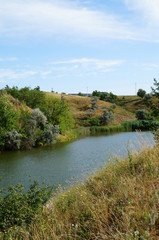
141	93
8	115
142	114
155	91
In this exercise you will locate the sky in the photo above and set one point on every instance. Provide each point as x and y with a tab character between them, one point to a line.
77	46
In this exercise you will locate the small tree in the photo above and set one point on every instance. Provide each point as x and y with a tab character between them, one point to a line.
142	114
94	103
155	91
141	93
107	117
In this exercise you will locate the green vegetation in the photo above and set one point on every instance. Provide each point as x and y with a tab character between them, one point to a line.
18	208
29	118
105	96
119	202
141	93
22	109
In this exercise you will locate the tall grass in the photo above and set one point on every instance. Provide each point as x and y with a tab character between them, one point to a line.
119	202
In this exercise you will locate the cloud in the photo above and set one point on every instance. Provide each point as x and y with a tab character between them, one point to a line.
149	9
49	18
10	74
90	63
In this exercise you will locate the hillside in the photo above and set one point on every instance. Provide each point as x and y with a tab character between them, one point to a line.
80	107
133	103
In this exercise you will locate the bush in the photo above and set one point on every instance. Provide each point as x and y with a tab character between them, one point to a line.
145	125
58	113
18	208
49	134
13	140
39	118
107	117
141	93
94	121
142	114
8	115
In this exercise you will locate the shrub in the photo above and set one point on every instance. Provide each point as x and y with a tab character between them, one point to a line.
18	208
39	118
58	113
142	114
94	103
141	93
13	140
50	133
8	115
107	117
94	121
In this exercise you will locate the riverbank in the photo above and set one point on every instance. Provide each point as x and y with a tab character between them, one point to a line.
94	130
119	202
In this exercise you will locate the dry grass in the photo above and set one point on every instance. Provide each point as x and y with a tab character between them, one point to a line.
119	202
133	103
80	107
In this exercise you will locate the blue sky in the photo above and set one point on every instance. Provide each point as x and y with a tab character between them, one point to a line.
79	45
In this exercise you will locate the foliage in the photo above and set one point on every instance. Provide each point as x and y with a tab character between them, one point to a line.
105	96
94	103
58	113
34	98
18	208
39	118
13	140
142	114
155	90
141	93
50	133
145	125
156	136
8	115
107	117
94	121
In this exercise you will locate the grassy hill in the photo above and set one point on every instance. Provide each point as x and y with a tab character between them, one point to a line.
81	105
133	103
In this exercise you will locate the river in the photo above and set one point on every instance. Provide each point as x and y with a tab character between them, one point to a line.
69	162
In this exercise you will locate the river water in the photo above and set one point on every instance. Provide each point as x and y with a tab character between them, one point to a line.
69	162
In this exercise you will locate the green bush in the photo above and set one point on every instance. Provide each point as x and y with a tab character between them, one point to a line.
141	93
59	113
8	115
142	114
94	121
18	208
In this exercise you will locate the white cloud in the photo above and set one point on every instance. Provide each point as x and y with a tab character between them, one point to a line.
59	18
88	63
149	9
10	74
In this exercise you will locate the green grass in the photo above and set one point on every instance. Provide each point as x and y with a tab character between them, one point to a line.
119	202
